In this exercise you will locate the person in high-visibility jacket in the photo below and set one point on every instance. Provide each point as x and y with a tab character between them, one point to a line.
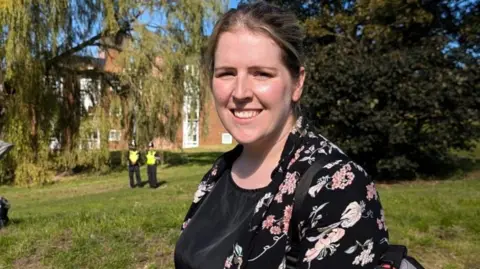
134	165
152	157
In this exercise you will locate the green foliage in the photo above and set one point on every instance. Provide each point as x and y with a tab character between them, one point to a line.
385	83
398	113
29	173
44	52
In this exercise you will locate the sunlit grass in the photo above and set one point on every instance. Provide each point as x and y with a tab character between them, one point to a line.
99	222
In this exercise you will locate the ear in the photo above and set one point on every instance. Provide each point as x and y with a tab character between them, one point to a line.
297	91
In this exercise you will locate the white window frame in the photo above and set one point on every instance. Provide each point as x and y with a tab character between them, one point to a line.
117	135
227	139
190	124
191	121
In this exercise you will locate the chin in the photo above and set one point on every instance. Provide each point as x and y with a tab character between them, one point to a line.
245	138
245	141
247	132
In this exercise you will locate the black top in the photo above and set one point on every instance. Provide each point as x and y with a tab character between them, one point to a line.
211	233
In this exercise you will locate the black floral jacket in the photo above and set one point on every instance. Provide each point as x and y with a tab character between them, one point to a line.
343	223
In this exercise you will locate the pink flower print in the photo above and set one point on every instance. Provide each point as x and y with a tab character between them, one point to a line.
337	179
278	198
290	183
287	216
287	213
335	235
381	221
342	178
380	224
214	171
292	161
275	230
371	192
297	155
268	222
311	254
228	262
286	226
185	224
283	188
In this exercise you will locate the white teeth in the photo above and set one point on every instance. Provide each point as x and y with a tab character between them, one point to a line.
245	114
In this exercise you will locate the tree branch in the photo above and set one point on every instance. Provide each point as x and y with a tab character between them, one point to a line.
73	50
107	46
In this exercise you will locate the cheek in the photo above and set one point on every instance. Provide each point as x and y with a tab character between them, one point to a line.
221	91
275	93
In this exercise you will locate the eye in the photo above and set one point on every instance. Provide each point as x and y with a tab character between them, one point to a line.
224	74
262	74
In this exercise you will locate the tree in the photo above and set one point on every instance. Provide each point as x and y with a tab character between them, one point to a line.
44	49
394	83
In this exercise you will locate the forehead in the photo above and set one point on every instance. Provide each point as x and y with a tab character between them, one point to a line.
242	47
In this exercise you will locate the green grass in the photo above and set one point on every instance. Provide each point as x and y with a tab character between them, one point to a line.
98	222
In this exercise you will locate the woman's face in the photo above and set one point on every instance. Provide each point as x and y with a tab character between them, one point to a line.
252	88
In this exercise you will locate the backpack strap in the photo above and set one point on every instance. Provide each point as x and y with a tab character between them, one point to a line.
397	257
300	194
394	255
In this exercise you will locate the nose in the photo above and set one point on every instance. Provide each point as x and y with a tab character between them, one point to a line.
243	89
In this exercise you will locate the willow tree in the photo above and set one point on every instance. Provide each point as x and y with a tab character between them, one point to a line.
40	67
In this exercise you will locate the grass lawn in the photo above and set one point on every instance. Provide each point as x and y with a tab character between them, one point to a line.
98	222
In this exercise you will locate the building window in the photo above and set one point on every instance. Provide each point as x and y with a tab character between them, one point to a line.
91	141
227	138
114	135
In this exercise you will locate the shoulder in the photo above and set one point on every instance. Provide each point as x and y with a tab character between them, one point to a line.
341	187
337	171
314	147
340	175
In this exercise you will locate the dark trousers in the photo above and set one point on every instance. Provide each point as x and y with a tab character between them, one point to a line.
152	175
134	169
3	217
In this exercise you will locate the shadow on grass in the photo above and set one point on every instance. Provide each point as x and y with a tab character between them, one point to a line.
192	158
145	183
169	159
455	167
15	221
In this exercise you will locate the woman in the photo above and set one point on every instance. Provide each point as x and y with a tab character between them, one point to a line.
240	216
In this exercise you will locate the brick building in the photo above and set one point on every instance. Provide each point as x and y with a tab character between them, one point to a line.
189	135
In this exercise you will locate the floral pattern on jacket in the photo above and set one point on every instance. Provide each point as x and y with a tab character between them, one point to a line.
342	224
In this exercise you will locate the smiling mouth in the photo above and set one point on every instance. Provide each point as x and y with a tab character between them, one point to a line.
245	114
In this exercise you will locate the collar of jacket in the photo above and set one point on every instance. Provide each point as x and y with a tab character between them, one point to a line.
294	141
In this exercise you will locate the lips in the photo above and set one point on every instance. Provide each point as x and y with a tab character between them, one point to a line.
246	114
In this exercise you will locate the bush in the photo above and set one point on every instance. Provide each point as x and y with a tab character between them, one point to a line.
398	113
27	174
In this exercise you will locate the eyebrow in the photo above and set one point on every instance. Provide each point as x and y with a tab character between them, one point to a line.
252	67
223	68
